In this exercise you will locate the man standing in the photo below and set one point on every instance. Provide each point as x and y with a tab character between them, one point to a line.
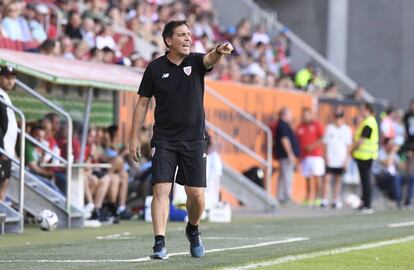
364	151
8	127
287	153
176	80
338	142
310	134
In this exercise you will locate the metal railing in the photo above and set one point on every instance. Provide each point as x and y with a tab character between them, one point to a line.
21	159
259	15
269	143
244	149
69	160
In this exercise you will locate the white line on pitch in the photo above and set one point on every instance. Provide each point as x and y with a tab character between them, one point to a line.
401	224
145	259
312	255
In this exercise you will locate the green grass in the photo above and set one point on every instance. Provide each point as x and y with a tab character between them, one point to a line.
396	257
325	232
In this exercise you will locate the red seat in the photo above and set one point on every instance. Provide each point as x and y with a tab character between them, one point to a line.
19	45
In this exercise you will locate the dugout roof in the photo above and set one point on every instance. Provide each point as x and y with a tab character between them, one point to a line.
72	72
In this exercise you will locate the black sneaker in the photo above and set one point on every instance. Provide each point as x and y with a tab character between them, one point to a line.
125	215
196	245
99	215
159	251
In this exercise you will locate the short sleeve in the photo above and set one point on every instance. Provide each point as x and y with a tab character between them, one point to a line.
29	155
366	132
320	128
282	130
146	87
3	117
348	136
326	135
198	59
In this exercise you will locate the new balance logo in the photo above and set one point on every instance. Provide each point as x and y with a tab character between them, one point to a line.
165	75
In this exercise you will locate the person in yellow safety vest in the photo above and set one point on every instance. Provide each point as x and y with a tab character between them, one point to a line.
305	76
364	151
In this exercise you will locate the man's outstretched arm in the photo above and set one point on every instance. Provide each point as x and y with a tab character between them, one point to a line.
215	55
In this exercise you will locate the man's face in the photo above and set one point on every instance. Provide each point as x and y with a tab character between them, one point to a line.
180	42
76	20
108	57
288	116
39	135
364	111
7	82
307	116
389	146
55	123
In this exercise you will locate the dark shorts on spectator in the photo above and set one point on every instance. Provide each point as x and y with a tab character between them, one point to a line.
5	169
335	171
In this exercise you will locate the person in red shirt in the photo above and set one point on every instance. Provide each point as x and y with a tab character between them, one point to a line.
310	135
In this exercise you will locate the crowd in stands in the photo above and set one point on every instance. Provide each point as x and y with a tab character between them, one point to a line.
106	188
325	154
88	29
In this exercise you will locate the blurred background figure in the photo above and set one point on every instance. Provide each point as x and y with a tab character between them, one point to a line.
338	142
365	151
214	172
287	153
310	134
387	171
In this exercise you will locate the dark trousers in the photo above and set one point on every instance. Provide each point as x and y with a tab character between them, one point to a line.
364	168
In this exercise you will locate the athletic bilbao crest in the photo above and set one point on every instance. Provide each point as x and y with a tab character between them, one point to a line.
187	70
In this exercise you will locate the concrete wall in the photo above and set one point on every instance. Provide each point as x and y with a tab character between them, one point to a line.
407	68
307	18
381	48
375	47
230	12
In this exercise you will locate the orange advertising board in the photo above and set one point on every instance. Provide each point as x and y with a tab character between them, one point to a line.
264	104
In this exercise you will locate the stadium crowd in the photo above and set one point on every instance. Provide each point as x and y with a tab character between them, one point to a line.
89	30
107	185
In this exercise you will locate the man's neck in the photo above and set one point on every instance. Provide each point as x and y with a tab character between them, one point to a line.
175	58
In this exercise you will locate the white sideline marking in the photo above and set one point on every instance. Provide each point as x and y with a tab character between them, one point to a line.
401	224
293	258
145	259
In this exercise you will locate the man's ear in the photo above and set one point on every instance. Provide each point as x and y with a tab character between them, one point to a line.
168	40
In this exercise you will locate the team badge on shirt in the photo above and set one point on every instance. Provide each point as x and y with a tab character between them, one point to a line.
187	70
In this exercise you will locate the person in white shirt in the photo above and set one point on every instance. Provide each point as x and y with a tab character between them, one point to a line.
214	172
8	132
337	140
260	35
